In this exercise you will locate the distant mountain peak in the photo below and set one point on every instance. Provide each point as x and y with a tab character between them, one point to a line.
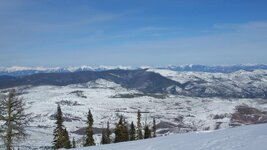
22	71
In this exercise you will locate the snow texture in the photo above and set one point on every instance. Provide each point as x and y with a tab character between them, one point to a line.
251	137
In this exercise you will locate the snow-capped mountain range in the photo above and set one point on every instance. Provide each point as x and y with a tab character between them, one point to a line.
239	84
22	71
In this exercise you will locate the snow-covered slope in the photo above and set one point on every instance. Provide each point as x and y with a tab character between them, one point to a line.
108	100
251	137
203	84
240	76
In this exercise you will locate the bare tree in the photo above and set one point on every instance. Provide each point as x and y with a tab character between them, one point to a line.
13	119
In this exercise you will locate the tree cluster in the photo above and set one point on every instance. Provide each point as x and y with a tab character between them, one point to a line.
122	131
135	133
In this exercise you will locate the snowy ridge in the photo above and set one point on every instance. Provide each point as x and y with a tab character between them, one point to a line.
183	77
55	69
20	70
240	138
215	69
237	84
102	83
24	71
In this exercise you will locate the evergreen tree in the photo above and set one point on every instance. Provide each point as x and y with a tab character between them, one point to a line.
139	126
13	119
118	131
132	132
125	131
73	143
59	139
104	136
154	128
147	132
108	134
121	131
66	139
89	140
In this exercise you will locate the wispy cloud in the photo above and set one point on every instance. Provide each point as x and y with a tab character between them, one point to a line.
234	44
237	43
36	27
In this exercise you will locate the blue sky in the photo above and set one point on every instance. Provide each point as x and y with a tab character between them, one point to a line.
141	32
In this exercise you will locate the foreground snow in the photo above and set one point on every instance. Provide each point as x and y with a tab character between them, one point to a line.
240	138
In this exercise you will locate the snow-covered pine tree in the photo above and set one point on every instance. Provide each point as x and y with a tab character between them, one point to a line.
132	132
139	126
89	140
14	118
